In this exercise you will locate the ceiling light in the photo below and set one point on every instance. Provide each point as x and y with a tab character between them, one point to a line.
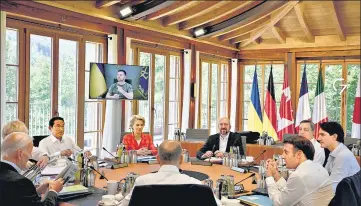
199	32
126	11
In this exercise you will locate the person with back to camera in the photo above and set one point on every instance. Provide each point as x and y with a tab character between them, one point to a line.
120	89
142	143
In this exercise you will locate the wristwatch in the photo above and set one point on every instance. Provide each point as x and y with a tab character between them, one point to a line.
46	155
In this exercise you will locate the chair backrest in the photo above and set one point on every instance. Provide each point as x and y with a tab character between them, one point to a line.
37	139
175	195
251	137
197	134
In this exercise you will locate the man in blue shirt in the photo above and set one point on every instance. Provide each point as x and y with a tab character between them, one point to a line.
341	162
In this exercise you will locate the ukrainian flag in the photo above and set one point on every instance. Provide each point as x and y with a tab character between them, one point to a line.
97	85
254	108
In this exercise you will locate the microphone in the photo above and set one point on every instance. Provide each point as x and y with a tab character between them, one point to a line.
109	153
246	170
212	152
92	168
253	174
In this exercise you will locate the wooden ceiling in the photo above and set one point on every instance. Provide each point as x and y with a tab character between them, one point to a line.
240	25
243	24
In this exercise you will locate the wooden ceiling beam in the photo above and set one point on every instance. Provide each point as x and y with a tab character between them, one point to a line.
244	30
202	8
102	3
246	18
274	19
211	16
148	7
299	13
336	20
279	34
174	8
241	38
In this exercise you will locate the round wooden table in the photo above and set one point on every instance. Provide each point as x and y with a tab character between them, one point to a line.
214	172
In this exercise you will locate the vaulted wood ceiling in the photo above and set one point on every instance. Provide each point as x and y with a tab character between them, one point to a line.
243	23
239	24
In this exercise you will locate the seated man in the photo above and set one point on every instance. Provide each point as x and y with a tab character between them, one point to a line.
221	142
309	184
16	189
169	157
56	144
37	154
341	162
307	129
120	89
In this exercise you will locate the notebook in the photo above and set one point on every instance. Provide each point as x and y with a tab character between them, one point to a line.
255	200
73	189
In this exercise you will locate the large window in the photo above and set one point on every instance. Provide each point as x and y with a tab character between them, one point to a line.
41	66
263	72
213	93
162	110
335	75
93	109
12	73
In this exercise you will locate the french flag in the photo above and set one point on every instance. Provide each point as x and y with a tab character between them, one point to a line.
356	122
303	107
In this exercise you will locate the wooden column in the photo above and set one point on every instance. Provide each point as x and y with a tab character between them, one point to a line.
293	74
192	108
121	59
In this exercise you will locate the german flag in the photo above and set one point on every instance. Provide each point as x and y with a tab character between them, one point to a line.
270	114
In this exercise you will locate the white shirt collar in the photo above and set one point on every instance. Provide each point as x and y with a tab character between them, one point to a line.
224	138
12	164
169	168
54	139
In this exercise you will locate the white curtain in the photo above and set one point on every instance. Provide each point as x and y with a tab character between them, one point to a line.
2	67
187	86
197	88
113	111
234	94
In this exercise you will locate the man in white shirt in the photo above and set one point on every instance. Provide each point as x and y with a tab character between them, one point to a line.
37	154
56	144
220	143
169	157
309	184
307	129
341	162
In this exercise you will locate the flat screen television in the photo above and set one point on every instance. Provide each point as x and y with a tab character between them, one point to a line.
114	82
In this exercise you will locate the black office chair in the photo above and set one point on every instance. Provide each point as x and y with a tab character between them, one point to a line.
37	139
175	195
348	191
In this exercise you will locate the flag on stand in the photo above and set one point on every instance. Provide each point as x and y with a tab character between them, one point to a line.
356	121
254	108
286	123
319	114
270	114
303	107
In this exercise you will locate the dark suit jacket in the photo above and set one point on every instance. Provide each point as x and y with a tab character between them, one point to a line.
213	140
18	190
348	191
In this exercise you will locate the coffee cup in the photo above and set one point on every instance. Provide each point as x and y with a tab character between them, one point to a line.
249	159
112	186
108	199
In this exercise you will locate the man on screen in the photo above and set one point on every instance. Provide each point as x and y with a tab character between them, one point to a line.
121	89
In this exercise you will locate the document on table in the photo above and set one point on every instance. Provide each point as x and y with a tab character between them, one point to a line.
52	170
214	160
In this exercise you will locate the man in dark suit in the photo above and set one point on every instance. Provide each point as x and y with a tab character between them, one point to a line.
221	142
16	189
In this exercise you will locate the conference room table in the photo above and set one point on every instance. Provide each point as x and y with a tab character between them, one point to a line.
214	172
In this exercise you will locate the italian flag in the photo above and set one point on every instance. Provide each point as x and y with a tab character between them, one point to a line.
356	121
319	109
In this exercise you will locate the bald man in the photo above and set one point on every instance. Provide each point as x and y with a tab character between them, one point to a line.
221	142
16	189
169	157
37	154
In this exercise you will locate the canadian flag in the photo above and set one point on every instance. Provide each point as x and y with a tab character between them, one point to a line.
285	123
356	121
